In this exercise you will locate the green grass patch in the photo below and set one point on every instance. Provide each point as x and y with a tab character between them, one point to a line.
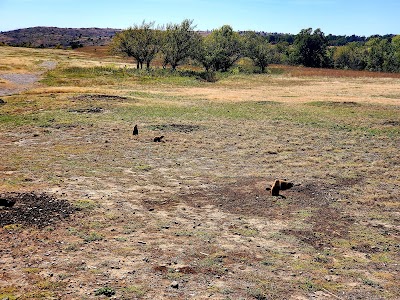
106	291
113	75
92	237
137	291
85	204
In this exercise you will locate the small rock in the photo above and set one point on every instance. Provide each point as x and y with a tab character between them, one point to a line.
175	284
2	101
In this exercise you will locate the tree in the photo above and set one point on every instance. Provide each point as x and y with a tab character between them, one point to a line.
352	56
180	43
142	42
396	50
220	50
383	54
257	48
310	49
375	57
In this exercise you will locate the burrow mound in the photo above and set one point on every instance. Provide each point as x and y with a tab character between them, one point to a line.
336	103
247	196
36	210
186	128
99	97
267	102
87	110
391	123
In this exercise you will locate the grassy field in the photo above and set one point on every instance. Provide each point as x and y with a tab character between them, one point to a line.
190	218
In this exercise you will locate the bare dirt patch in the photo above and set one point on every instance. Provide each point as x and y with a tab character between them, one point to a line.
248	196
337	103
186	128
267	102
20	79
16	82
391	123
87	110
35	210
326	224
99	97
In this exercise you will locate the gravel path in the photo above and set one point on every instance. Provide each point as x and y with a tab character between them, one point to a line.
23	82
21	79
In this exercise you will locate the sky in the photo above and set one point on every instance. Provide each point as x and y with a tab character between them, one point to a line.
338	17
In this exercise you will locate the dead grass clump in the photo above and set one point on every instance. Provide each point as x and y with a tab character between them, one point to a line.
297	71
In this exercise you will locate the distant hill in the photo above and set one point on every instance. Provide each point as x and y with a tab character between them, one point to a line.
50	37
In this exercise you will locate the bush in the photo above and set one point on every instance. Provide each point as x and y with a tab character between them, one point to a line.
107	291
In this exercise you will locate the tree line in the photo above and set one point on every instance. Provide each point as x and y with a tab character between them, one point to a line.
223	47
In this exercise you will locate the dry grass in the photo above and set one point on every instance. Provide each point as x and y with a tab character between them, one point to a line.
311	72
194	209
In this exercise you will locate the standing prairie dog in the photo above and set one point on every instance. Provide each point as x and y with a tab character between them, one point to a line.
135	130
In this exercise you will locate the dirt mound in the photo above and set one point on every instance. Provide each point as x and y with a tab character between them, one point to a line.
99	97
175	127
34	210
267	102
87	110
391	123
335	103
248	196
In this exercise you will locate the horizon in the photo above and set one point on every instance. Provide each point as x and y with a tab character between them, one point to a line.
336	17
198	30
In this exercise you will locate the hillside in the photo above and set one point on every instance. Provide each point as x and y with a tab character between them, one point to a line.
53	36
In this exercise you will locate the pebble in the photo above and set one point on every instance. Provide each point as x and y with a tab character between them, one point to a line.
175	284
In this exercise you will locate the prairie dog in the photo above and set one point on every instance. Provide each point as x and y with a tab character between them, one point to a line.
135	130
279	185
158	138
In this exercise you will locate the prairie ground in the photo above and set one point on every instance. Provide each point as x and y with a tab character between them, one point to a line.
100	212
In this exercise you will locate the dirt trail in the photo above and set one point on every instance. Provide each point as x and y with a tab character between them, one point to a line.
18	82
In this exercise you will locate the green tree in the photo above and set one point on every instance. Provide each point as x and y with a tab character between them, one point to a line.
310	49
257	48
142	42
220	50
352	56
396	50
375	58
396	45
180	43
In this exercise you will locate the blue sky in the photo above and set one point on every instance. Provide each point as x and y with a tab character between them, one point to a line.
360	17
